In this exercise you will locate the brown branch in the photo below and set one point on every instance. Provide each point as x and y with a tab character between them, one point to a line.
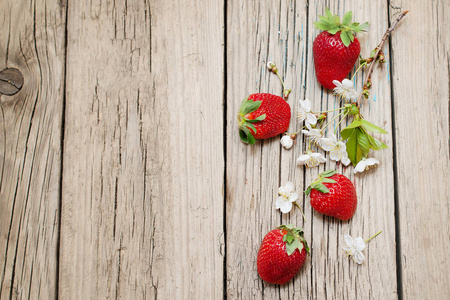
379	47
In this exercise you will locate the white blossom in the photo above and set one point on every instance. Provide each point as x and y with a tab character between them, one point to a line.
286	197
365	164
311	159
337	149
354	248
304	113
345	90
315	135
287	142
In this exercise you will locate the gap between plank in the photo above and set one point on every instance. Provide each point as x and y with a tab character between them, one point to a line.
63	121
398	249
225	77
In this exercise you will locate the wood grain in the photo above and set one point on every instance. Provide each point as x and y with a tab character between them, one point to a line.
284	33
33	41
420	76
142	198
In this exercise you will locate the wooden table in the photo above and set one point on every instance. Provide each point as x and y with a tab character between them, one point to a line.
121	171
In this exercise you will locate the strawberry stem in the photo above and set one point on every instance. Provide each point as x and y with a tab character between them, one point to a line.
337	126
304	218
368	240
326	111
335	117
379	49
273	68
359	68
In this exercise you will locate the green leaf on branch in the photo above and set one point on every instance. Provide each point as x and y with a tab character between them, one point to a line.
376	144
347	131
371	127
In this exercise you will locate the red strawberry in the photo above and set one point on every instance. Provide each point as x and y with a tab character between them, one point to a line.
336	49
263	116
282	254
334	195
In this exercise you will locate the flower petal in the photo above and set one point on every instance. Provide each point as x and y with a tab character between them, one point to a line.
335	155
348	240
345	161
372	161
311	119
286	207
286	141
359	243
319	157
327	144
289	186
279	202
360	167
347	84
293	197
337	83
301	114
306	105
302	159
358	257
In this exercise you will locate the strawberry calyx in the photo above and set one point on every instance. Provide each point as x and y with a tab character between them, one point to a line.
293	238
332	24
246	120
318	183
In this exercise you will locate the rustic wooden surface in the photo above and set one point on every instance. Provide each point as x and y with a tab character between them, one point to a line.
122	175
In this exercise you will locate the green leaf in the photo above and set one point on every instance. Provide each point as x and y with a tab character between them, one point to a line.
251	106
291	247
328	180
252	127
328	173
371	127
328	13
364	26
243	136
345	38
320	187
308	191
246	136
362	150
243	105
251	139
260	118
288	237
347	132
333	30
351	147
376	144
347	18
248	106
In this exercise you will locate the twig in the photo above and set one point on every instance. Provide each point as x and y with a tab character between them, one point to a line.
379	47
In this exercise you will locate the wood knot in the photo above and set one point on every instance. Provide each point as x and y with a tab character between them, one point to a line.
11	81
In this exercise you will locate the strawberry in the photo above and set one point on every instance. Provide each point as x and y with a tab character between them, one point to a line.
263	116
282	254
334	195
336	49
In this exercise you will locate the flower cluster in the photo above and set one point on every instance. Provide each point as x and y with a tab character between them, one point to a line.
314	131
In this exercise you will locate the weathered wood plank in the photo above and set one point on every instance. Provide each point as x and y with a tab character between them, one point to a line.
258	32
334	276
420	76
33	41
142	198
283	32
